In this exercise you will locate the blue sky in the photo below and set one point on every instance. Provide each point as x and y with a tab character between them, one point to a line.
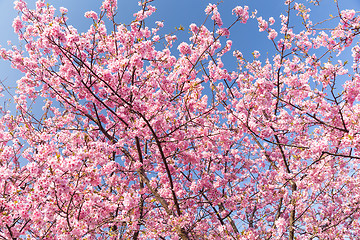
246	38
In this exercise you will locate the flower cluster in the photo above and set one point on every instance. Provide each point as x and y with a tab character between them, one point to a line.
139	140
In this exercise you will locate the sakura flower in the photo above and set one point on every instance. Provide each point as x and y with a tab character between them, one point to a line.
280	225
224	32
159	24
63	10
19	5
17	24
263	25
256	54
271	21
91	14
210	8
184	48
194	28
241	13
272	34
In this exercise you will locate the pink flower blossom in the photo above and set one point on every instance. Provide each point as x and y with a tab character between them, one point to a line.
17	24
19	5
109	6
271	20
194	28
156	38
256	54
217	19
210	8
263	25
91	14
272	34
224	32
63	10
184	48
241	13
280	226
159	24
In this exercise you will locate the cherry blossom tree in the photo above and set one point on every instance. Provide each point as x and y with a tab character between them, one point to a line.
144	137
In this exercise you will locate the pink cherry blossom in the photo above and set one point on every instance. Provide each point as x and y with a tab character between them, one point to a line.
17	24
137	135
184	48
242	13
63	10
91	14
272	34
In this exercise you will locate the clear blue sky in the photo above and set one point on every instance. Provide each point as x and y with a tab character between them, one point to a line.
246	38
